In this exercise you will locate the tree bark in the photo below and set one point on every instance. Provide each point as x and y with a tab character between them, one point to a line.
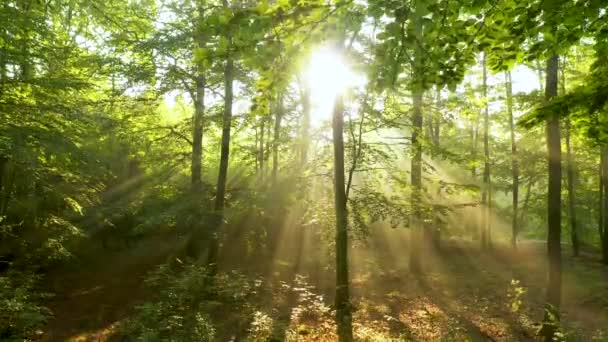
304	135
268	148
554	282
571	192
224	158
343	307
437	129
522	218
415	262
416	180
474	143
261	147
514	161
571	171
604	203
277	135
3	52
485	224
197	136
25	65
196	240
601	196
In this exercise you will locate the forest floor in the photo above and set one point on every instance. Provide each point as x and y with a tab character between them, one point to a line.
464	294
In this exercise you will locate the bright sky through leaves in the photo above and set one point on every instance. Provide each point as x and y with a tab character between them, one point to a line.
328	75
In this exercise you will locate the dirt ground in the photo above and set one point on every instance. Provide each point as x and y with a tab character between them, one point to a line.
464	294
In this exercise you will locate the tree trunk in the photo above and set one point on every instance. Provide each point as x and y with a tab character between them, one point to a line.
485	204
604	203
196	240
514	161
601	198
522	218
554	284
224	158
267	148
199	107
474	143
304	138
197	136
571	171
571	192
343	307
3	187
24	59
415	262
3	52
277	135
261	148
416	179
436	130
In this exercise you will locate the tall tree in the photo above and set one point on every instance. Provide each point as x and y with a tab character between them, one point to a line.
416	145
485	196
342	301
571	176
604	201
554	158
224	154
199	104
278	116
570	170
514	161
305	126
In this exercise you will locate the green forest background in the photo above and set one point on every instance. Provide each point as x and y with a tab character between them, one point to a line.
183	142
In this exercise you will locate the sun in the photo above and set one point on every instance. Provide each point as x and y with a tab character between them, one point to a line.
328	75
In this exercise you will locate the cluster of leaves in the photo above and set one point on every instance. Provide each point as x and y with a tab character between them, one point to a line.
21	318
184	301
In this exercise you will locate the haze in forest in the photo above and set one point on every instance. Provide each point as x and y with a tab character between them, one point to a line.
310	170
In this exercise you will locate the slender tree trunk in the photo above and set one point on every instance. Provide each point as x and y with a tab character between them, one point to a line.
474	228
267	148
485	203
277	135
343	307
514	162
437	131
3	165
197	237
3	52
224	158
474	145
604	203
199	107
256	144
25	62
522	219
261	148
305	133
571	172
416	179
8	183
601	197
416	236
197	136
571	192
554	284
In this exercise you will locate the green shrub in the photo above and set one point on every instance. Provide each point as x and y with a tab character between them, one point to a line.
21	318
178	312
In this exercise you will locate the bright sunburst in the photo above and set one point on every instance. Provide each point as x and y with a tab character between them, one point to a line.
328	75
